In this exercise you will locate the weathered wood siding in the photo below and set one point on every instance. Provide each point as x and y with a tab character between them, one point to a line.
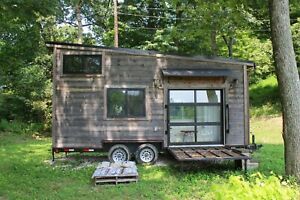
79	102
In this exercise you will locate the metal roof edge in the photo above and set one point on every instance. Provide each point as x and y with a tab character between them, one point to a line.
215	59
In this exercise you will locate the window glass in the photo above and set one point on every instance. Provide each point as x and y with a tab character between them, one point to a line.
182	113
209	134
82	64
136	104
125	103
182	134
181	96
116	101
208	96
208	113
195	116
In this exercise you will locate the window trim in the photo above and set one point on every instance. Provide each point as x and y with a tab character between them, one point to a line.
126	116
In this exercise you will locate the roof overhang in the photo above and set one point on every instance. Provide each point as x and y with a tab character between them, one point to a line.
212	59
196	72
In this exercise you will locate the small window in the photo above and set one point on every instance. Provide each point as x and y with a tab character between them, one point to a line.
125	103
82	64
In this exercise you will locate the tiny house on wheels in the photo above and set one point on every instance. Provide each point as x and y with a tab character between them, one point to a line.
139	103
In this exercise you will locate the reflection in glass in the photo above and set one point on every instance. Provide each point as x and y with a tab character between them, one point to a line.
125	102
136	103
208	113
181	96
82	64
208	96
182	134
182	114
116	99
209	134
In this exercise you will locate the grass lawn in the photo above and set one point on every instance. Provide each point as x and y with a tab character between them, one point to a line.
25	173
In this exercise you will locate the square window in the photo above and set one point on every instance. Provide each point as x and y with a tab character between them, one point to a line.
125	103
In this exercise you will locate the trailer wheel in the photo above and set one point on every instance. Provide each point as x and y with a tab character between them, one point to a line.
119	153
146	154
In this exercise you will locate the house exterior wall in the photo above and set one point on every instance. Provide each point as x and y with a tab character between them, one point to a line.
79	101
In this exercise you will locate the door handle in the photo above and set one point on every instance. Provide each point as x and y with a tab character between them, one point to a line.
227	118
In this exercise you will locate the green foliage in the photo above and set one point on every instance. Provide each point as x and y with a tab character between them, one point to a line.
257	187
162	41
13	107
30	97
249	47
20	128
296	40
24	63
264	98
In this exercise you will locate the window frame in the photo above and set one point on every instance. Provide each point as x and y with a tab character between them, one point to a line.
83	53
196	123
126	115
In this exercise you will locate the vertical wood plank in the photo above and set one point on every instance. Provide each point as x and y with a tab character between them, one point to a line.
246	107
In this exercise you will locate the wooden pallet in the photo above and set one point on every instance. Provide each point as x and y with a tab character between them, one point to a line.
114	173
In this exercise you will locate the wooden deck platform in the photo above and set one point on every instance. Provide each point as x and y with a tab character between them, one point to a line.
206	153
115	173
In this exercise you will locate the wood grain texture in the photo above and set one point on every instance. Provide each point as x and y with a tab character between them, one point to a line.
79	108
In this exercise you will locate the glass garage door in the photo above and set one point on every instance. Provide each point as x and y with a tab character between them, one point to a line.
195	117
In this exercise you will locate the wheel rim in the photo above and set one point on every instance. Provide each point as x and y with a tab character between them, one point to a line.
119	155
147	155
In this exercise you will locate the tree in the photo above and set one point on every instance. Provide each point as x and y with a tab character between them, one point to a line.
288	81
25	67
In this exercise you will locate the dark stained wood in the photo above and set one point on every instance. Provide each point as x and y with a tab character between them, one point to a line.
246	107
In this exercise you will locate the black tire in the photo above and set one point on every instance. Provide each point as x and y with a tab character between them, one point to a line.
146	154
119	153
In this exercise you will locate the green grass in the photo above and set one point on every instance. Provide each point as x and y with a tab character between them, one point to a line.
268	133
26	173
264	98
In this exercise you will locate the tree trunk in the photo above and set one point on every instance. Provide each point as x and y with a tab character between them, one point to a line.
288	81
79	21
229	44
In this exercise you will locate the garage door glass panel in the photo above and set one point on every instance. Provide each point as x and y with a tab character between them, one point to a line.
208	113
182	134
209	134
181	96
208	96
181	114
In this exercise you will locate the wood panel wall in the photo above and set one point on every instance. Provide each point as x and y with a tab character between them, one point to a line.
79	102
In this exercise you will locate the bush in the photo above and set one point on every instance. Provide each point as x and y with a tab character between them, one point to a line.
21	128
257	187
13	107
264	98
